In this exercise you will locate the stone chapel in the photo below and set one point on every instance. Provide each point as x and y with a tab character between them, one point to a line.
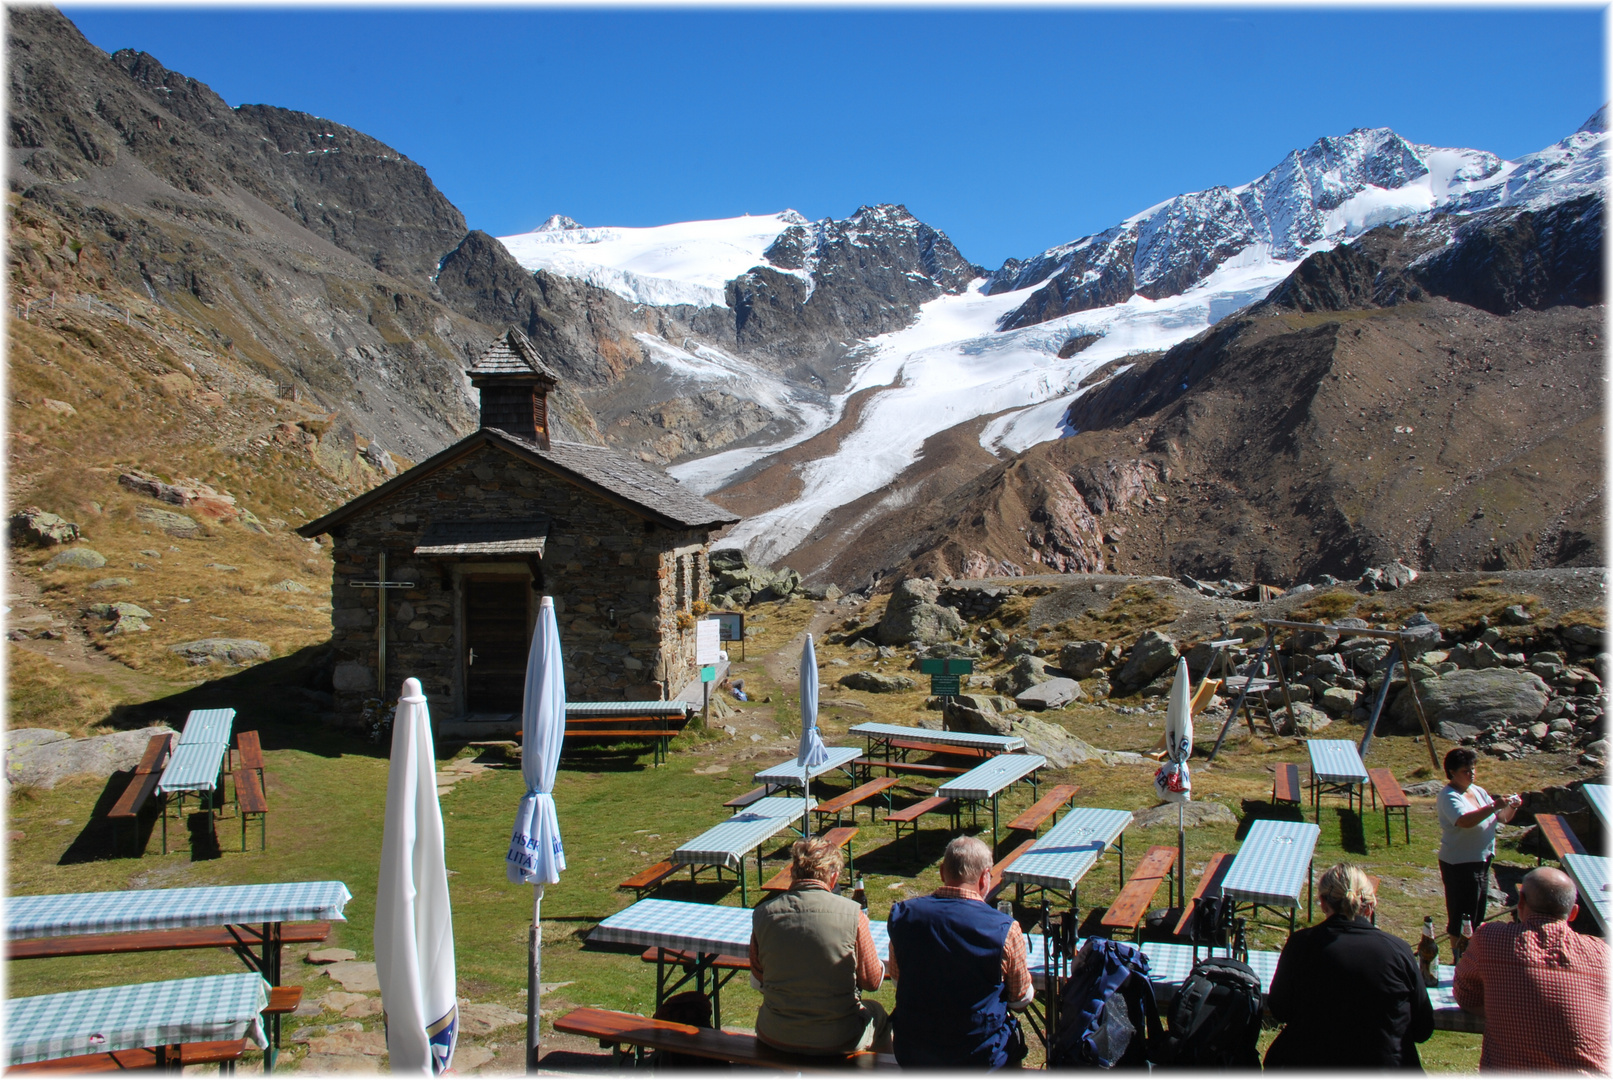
437	572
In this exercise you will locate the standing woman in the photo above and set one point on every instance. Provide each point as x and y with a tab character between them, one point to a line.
1467	820
1351	996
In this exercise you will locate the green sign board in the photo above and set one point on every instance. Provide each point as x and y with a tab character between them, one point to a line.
942	665
944	685
708	673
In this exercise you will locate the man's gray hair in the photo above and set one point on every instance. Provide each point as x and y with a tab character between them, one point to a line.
965	859
1549	893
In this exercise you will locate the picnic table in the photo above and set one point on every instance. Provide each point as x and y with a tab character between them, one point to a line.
1061	858
1590	874
257	912
789	774
725	845
157	1014
707	931
1336	767
197	763
1272	863
1597	796
989	780
881	735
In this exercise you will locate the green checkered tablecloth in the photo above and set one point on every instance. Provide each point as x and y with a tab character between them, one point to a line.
208	1009
1271	865
171	909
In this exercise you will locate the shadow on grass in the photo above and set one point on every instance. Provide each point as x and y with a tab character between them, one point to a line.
102	838
628	757
1260	810
1352	834
286	701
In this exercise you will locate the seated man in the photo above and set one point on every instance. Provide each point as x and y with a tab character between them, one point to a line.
811	951
1540	986
959	966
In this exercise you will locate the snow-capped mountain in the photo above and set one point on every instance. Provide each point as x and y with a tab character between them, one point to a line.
687	263
1016	345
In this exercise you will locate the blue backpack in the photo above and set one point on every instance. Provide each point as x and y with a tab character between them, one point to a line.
1107	1014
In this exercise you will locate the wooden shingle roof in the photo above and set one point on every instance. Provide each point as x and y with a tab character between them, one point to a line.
512	354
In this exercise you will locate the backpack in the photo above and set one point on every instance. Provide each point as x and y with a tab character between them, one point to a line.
1215	1019
693	1008
1107	1016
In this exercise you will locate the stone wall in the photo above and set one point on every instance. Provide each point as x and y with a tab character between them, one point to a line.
614	576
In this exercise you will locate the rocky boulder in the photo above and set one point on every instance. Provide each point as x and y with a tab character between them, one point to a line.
221	651
1082	659
1194	815
1028	671
1475	698
77	558
973	713
1396	575
169	522
1052	694
913	615
35	527
874	683
735	580
43	758
1061	749
1153	654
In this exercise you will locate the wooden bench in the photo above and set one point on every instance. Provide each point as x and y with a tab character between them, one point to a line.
201	937
741	801
851	799
909	816
1555	831
144	781
251	754
648	878
1385	786
657	729
175	1057
1132	904
908	745
1285	786
1215	871
1046	807
920	768
1002	864
614	1030
249	800
840	838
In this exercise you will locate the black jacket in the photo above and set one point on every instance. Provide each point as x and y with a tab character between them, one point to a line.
1352	997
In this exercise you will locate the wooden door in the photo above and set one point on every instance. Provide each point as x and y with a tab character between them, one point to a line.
495	643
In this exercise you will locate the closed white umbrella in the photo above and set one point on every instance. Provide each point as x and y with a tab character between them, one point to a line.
536	856
811	751
414	927
1172	782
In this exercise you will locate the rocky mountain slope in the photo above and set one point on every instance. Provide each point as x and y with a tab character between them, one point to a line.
1429	392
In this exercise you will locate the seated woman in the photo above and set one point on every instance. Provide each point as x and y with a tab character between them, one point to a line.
1351	995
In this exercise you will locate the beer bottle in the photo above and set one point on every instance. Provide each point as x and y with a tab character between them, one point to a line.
859	894
1428	952
1463	936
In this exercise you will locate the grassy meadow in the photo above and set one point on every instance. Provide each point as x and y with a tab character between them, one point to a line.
619	814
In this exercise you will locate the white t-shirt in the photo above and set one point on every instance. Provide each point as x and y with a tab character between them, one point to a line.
1474	843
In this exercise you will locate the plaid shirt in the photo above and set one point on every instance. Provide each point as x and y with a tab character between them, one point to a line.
1542	989
1017	989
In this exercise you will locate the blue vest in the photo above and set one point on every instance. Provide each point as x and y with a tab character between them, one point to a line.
950	1011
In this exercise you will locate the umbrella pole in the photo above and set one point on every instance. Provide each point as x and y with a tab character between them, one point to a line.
534	992
1181	857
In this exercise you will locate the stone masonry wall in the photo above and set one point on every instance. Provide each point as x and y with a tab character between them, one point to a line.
600	558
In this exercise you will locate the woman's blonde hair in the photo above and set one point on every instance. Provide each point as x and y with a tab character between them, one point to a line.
1347	890
815	858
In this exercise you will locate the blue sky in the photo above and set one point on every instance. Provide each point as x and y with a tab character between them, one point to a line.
1011	131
